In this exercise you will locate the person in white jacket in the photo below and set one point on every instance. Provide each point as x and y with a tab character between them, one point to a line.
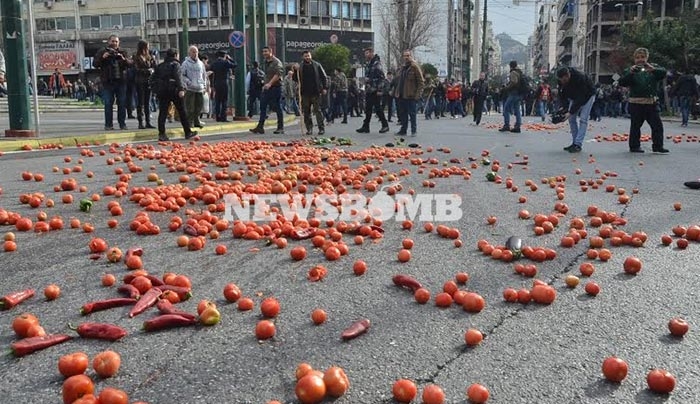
3	89
194	78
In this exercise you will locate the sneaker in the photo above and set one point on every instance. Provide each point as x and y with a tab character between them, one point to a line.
123	127
109	127
278	131
515	129
363	130
162	137
567	148
191	134
574	148
321	132
637	150
505	128
659	150
384	129
258	129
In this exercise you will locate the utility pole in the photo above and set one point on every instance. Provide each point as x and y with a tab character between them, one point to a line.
251	33
476	36
483	38
16	65
598	40
262	26
468	56
185	34
239	57
663	14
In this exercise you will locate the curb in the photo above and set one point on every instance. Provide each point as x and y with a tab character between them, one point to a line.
117	136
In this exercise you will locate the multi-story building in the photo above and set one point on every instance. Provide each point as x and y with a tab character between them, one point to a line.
544	45
70	32
603	34
446	46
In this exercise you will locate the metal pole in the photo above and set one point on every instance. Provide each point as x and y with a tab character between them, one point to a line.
253	50
598	40
32	50
284	47
483	36
185	34
16	69
476	36
262	24
468	56
239	56
663	14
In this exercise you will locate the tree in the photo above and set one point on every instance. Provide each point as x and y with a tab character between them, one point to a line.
429	69
407	24
332	56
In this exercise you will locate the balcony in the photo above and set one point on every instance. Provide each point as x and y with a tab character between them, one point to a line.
565	38
565	21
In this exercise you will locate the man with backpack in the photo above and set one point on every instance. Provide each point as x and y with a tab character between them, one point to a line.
514	92
374	80
255	83
576	95
166	83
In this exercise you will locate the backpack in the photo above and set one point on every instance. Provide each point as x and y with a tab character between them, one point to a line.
159	80
259	78
524	84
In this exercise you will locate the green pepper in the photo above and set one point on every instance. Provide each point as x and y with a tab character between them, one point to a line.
491	176
85	204
485	161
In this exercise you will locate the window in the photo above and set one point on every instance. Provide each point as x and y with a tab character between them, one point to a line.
45	24
366	11
194	9
131	20
109	21
90	21
292	7
214	8
224	9
151	12
271	6
280	7
313	8
173	11
356	14
65	23
162	11
204	9
346	10
335	9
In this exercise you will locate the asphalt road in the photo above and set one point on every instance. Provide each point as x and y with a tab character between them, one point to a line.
531	353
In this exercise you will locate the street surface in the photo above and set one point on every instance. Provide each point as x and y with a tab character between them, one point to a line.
531	353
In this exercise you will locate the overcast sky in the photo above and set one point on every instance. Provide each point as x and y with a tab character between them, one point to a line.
516	21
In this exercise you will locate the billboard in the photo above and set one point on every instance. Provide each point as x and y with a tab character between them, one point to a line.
57	55
288	43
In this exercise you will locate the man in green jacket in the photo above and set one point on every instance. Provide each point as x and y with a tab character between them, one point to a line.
408	90
643	80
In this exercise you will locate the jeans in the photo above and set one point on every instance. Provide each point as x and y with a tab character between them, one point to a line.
271	97
406	111
541	107
110	91
429	107
512	105
341	100
684	104
579	122
645	112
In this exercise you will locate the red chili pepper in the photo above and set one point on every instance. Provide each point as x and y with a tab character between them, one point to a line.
190	230
26	346
406	281
182	292
148	299
165	307
15	298
168	321
109	332
356	329
129	290
303	234
106	304
521	163
155	281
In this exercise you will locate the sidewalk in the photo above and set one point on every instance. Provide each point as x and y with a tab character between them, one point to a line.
86	128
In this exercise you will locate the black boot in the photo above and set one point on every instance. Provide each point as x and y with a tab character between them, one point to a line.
163	137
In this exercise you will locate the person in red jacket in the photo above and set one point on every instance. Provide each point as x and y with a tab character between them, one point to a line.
454	97
57	83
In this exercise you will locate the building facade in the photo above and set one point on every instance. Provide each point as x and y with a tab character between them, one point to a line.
544	44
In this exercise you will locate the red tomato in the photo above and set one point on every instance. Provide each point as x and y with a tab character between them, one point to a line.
632	265
473	302
97	245
359	268
232	292
270	307
106	363
310	389
52	292
319	316
75	387
422	295
73	364
678	327
477	393
110	395
336	381
614	369
592	288
661	381
433	394
265	329
404	390
473	337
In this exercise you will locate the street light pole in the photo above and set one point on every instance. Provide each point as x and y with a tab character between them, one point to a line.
185	35
483	35
468	56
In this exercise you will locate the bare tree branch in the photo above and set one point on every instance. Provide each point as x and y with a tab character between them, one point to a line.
408	24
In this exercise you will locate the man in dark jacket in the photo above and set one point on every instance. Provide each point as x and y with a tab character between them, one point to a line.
222	69
313	83
374	77
112	63
170	89
271	92
686	89
341	92
576	95
480	89
643	81
408	90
